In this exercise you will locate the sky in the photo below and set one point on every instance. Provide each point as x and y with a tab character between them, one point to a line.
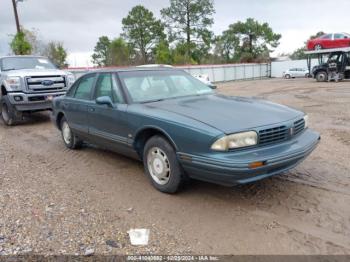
79	23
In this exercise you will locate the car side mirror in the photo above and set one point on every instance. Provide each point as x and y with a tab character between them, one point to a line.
104	100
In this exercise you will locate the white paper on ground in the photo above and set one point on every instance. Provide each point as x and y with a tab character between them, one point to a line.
139	236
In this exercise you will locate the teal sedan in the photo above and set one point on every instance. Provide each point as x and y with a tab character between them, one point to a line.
180	128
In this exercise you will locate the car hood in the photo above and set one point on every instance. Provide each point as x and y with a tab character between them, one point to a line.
34	72
228	114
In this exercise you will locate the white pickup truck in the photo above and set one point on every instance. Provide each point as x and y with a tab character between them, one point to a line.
28	84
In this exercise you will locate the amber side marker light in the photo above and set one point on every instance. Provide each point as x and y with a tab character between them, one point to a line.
256	164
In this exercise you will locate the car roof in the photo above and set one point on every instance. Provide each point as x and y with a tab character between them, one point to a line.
26	56
133	69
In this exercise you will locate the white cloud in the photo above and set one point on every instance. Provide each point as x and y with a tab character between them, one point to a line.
79	23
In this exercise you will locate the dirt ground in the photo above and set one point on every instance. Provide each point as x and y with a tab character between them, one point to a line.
55	201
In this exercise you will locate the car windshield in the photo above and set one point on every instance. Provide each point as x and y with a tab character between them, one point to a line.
16	63
147	86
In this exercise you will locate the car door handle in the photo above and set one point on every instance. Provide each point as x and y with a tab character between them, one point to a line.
91	109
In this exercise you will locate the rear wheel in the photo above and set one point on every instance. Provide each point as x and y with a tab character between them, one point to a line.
70	140
321	76
318	47
9	114
161	165
287	76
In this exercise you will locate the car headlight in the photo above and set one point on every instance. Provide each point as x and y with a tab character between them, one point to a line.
238	140
14	82
71	79
306	120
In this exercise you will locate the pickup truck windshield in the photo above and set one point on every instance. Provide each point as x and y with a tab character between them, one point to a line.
16	63
148	86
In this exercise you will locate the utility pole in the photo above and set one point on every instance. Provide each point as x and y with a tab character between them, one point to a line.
14	2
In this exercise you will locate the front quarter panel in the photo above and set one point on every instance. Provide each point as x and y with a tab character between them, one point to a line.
186	134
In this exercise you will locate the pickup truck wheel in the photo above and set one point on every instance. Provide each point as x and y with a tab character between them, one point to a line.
321	76
9	114
161	165
70	140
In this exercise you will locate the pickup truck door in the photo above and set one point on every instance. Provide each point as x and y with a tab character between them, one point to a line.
76	106
108	124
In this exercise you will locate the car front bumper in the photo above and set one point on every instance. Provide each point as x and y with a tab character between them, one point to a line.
33	102
232	168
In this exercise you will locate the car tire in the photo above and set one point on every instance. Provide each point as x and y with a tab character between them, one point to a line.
69	138
307	75
161	165
287	76
322	76
318	47
9	114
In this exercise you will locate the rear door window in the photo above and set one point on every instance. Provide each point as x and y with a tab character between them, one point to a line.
339	36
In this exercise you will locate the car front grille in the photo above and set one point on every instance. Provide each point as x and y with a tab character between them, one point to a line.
46	83
281	133
273	135
299	126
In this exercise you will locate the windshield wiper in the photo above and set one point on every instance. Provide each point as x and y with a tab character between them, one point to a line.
10	69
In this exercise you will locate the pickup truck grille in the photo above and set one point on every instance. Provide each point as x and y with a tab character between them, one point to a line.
273	135
281	133
46	83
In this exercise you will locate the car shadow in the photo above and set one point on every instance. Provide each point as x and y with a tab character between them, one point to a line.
32	119
261	192
257	191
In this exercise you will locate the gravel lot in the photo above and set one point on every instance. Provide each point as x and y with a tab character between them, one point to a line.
57	201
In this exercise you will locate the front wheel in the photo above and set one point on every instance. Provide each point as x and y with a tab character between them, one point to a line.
287	76
161	165
70	140
321	76
9	114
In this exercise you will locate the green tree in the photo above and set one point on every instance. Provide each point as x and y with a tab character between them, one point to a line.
255	40
298	54
37	44
188	23
163	54
119	52
142	31
101	55
179	54
57	53
225	46
20	45
318	34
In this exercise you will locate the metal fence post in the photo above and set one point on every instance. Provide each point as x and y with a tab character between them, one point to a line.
212	70
235	75
244	75
224	74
